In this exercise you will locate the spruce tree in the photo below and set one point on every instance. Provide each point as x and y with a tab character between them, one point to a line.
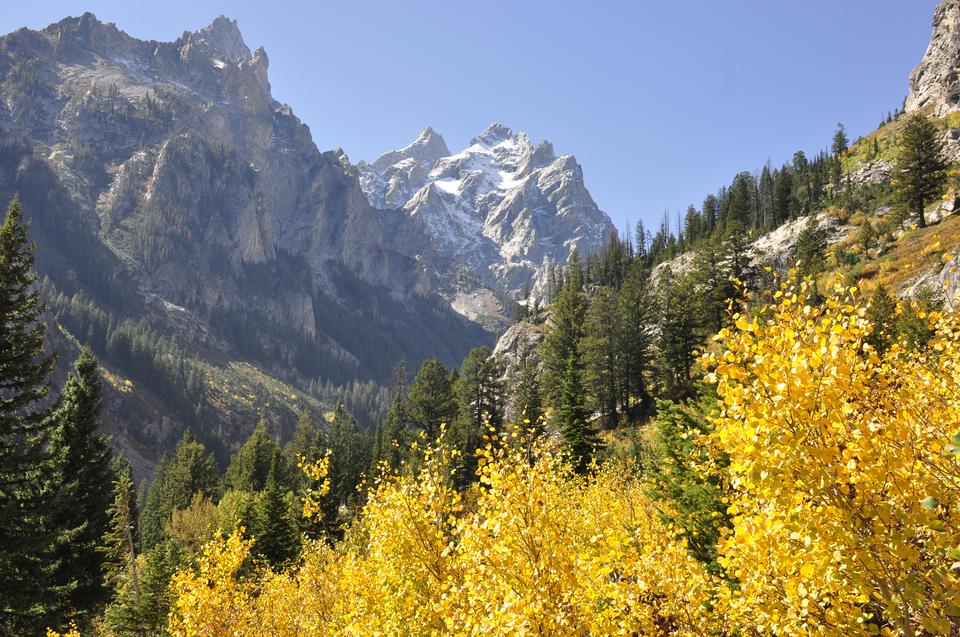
882	313
920	170
578	432
83	485
528	398
635	316
480	396
27	561
119	547
431	398
677	335
601	352
250	465
274	532
191	470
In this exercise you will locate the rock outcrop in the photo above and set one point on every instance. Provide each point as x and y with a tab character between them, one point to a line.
935	82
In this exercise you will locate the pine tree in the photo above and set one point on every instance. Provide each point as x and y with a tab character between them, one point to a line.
142	611
678	335
600	348
811	253
122	567
528	398
920	170
578	432
882	315
431	398
83	485
274	531
672	460
635	315
562	341
394	438
192	470
250	465
26	542
119	547
480	396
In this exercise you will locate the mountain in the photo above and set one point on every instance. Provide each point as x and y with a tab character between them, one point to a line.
491	219
934	84
189	229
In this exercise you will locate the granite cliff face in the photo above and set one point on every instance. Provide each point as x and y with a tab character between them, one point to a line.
935	82
169	189
503	210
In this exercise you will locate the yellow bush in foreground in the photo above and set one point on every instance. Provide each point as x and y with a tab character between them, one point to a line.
536	551
845	485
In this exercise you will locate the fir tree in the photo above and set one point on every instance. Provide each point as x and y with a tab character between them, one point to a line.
921	170
250	465
191	470
480	396
672	460
882	315
274	531
26	543
635	315
811	253
431	398
84	480
601	353
142	611
579	434
678	335
528	399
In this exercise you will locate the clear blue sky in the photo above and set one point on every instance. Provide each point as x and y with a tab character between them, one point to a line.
661	102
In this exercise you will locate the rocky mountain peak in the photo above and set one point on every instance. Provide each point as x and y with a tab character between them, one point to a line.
222	36
935	82
493	135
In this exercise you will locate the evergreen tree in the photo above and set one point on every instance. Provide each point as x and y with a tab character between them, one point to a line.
600	348
921	170
192	470
431	398
27	561
673	462
83	479
678	334
119	547
882	315
274	531
119	550
250	465
480	396
394	438
838	148
142	611
635	315
579	434
561	343
349	454
528	398
811	253
152	517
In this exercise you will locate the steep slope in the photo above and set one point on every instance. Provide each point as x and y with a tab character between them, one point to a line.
168	189
934	83
503	209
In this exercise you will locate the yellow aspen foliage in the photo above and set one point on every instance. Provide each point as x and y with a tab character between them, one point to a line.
843	473
532	550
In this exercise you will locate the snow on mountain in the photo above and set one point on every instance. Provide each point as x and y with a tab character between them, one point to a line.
504	208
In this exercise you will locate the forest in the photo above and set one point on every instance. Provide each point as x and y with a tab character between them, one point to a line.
722	449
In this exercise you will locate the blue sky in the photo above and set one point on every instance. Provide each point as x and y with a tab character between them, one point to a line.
661	102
